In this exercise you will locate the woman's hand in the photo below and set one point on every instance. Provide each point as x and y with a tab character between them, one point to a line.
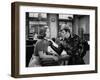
50	43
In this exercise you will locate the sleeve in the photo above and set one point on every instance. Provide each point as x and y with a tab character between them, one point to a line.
77	46
85	48
58	49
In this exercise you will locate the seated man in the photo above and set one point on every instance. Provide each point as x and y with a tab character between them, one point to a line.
74	46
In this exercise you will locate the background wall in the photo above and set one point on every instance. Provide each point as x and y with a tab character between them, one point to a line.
5	40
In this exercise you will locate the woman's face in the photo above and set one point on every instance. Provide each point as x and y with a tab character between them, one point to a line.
47	33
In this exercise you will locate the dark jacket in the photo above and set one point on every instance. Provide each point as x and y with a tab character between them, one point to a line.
75	47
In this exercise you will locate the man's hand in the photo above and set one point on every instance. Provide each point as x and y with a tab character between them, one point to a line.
65	57
55	58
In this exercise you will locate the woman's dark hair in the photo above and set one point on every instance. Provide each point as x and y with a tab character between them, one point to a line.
42	33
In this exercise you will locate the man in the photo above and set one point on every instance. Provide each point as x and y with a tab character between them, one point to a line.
74	46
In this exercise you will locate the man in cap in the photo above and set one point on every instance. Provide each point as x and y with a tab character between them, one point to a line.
74	46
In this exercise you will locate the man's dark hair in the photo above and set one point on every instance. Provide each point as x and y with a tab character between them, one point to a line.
66	29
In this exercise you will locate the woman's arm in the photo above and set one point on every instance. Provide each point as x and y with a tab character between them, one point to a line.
58	49
43	55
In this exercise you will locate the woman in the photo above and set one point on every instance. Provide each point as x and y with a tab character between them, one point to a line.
45	57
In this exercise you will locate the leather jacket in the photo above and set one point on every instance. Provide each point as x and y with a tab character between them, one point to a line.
74	45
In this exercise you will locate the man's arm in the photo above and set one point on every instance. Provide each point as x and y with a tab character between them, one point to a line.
85	48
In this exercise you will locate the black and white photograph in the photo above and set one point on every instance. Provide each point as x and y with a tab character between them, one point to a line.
57	39
51	39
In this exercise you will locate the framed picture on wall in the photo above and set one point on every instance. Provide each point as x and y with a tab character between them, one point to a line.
53	39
